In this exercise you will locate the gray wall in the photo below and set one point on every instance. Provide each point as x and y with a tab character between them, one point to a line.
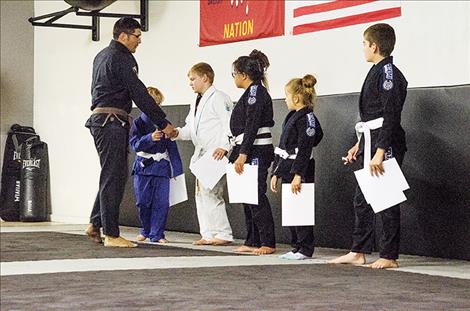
17	66
436	216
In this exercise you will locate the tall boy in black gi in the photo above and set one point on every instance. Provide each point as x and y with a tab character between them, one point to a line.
115	85
383	95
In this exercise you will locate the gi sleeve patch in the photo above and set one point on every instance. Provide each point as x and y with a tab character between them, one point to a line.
310	124
251	100
388	70
310	131
253	90
134	69
387	85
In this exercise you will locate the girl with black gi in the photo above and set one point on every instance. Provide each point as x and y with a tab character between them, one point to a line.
294	161
250	123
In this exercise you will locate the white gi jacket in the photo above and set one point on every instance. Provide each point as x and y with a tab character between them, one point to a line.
210	127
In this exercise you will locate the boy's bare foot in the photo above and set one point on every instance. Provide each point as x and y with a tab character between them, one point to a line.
383	263
110	241
219	242
140	238
202	242
245	249
350	258
264	250
163	241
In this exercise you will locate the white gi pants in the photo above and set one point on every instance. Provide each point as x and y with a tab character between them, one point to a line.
211	213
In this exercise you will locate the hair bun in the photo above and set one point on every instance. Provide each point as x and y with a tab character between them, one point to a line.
309	81
261	57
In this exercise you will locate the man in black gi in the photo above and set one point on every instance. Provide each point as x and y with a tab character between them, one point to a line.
114	87
383	95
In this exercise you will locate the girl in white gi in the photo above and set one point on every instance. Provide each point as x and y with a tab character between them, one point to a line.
294	162
207	125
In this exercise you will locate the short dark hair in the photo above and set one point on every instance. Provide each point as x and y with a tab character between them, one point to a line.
383	36
126	25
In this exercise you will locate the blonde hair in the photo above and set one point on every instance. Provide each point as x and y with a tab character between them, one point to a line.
304	88
202	69
156	94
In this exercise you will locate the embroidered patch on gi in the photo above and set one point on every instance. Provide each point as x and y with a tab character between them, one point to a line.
310	131
253	90
134	69
388	85
388	69
251	100
310	120
227	107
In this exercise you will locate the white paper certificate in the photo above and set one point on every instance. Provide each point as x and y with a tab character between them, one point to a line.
208	170
242	188
298	209
178	191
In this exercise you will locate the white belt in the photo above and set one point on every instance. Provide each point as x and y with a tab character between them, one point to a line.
259	141
283	154
366	127
155	156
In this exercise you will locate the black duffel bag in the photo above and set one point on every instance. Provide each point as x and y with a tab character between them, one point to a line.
11	170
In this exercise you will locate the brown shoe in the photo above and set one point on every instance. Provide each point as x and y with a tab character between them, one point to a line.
94	233
110	241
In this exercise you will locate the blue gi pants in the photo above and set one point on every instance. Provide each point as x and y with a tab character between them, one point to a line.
152	198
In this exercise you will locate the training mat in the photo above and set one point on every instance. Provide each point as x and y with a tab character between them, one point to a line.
292	287
26	246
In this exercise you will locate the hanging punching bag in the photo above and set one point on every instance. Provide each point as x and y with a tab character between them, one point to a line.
90	5
34	181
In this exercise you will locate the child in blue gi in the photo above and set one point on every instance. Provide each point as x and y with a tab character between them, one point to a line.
294	161
157	161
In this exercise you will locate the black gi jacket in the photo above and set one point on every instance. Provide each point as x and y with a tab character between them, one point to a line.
383	95
253	110
116	84
301	129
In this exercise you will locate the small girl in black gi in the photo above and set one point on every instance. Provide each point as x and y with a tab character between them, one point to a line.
294	161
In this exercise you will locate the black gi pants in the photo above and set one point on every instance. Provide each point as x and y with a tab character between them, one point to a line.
364	225
111	142
302	239
259	218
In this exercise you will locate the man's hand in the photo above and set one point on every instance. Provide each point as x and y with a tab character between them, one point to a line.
274	184
375	165
219	154
239	163
296	184
351	157
157	135
170	131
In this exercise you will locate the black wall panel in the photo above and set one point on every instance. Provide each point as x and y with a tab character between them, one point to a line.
436	216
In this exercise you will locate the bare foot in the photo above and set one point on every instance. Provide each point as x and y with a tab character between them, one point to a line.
110	241
202	242
264	250
245	249
140	238
94	233
163	241
219	242
383	263
350	258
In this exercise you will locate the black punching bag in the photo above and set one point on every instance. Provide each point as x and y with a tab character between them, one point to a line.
34	181
90	5
11	171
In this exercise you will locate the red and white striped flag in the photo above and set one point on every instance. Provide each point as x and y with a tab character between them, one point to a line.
310	16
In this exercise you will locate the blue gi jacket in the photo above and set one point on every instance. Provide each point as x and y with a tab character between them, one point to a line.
141	140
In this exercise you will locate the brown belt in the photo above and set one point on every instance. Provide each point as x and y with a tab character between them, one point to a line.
112	110
115	111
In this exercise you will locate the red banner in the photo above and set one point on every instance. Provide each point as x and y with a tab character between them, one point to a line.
224	21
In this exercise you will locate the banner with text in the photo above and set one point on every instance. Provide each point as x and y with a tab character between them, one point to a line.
224	21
